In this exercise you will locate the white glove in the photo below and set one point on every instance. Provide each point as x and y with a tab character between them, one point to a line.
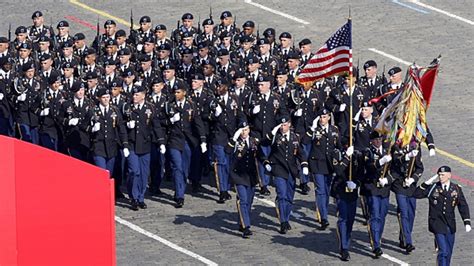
96	127
126	152
409	181
256	109
342	107
268	168
383	181
218	110
44	112
21	98
350	151
411	154
385	159
305	171
73	121
275	129
315	124
139	47
203	147
298	112
351	185
237	134
431	180
176	117
468	228
131	124
356	117
432	152
162	149
1	96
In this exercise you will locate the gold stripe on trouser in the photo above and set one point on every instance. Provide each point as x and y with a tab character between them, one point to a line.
260	181
239	210
371	238
367	221
317	213
363	206
216	175
401	228
337	233
277	210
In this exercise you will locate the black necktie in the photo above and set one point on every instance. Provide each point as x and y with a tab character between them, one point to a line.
198	94
445	187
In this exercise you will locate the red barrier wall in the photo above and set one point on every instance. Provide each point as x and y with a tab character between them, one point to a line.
54	209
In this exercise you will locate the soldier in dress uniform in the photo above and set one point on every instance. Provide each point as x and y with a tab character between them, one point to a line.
63	35
187	68
285	47
269	63
187	19
305	51
6	90
38	28
241	90
444	196
227	24
370	80
269	34
293	63
253	72
225	68
137	37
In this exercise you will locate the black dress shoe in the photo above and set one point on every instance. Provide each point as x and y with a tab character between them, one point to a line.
142	205
264	191
119	195
283	228
227	196
157	192
134	204
324	224
288	226
409	248
401	245
246	233
179	203
241	229
196	187
345	255
378	252
221	199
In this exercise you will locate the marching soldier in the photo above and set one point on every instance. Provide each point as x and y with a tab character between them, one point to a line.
269	63
443	197
371	81
38	28
6	86
305	51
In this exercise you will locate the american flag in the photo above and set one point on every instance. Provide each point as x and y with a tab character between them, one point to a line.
333	58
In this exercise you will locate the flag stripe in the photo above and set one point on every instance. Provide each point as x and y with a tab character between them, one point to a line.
321	67
326	74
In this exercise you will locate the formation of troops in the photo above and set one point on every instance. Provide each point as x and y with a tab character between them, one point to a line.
215	100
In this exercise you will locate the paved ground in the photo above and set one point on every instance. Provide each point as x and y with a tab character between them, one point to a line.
407	31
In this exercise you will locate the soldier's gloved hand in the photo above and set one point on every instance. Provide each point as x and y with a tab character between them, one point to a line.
468	228
387	158
342	107
305	171
256	109
275	129
126	152
96	127
431	180
237	134
21	98
383	181
432	152
298	112
162	149
176	117
218	110
351	185
44	112
1	96
268	168
73	121
139	47
357	116
315	124
350	151
409	181
411	154
131	124
203	147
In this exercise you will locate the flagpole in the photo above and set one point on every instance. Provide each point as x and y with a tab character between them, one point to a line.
350	104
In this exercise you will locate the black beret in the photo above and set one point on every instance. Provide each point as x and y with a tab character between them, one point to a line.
285	35
157	80
165	46
3	39
305	41
207	21
223	52
89	51
369	63
62	23
37	14
375	135
269	32
109	22
394	70
324	111
246	38
137	89
54	77
5	60
110	62
264	78
248	24
187	34
79	36
293	55
110	42
27	66
120	33
25	45
281	71
252	59
203	45
144	58
366	104
187	16
444	169
68	44
68	65
209	61
225	34
150	39
263	41
91	75
197	76
76	86
128	72
21	29
284	118
226	14
243	123
102	91
224	81
186	50
169	66
160	27
239	75
145	19
124	51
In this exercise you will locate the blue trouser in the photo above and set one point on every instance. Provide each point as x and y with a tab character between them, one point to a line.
285	190
244	204
157	167
264	179
222	164
138	171
406	213
445	247
346	210
5	126
48	142
378	208
306	149
323	184
196	166
180	161
105	163
29	134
